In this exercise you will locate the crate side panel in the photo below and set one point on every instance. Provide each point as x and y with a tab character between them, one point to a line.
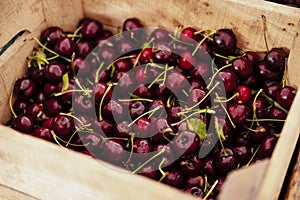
65	14
243	17
16	16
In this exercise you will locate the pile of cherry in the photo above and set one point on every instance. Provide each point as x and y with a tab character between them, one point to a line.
189	108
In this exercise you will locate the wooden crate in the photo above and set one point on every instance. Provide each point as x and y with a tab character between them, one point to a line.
34	169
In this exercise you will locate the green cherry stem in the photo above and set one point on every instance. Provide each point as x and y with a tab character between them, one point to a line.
98	72
252	157
266	120
164	174
146	113
11	105
276	104
215	74
211	189
201	42
101	101
137	99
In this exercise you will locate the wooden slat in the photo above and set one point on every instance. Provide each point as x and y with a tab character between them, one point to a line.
244	17
47	172
63	13
16	16
7	193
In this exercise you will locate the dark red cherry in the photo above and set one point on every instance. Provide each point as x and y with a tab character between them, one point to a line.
43	133
63	127
144	75
40	97
125	46
174	114
239	113
131	25
225	160
260	104
251	82
227	128
219	186
54	72
142	147
285	96
23	123
196	191
272	88
143	91
136	109
91	29
242	153
276	113
52	107
48	122
107	54
162	53
99	89
142	127
80	64
176	81
252	57
194	181
37	75
83	48
51	35
113	151
259	133
242	67
208	167
150	172
49	89
187	142
190	165
92	142
266	147
244	94
25	88
20	106
113	110
230	80
201	71
187	61
263	74
174	178
83	104
65	46
105	126
197	95
122	65
188	35
275	59
161	130
146	55
224	42
36	112
160	35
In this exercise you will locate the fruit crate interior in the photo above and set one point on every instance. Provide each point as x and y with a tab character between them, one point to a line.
33	168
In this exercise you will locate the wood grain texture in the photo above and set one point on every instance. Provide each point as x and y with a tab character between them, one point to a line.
7	193
243	16
63	13
45	171
19	15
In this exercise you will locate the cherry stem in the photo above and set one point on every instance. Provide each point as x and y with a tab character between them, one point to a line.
51	51
205	183
177	40
137	99
266	120
82	87
149	160
201	42
146	113
98	72
254	108
225	110
68	91
164	174
131	150
254	130
230	58
215	74
227	100
252	157
264	19
101	101
211	189
74	117
162	73
276	104
11	105
220	133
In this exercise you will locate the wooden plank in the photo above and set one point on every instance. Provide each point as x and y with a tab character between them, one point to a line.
7	193
65	14
45	171
16	16
244	17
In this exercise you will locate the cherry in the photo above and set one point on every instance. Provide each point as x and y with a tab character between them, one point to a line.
252	57
131	25
92	142
225	160
272	88
25	88
244	94
106	54
143	75
43	133
20	106
63	127
52	107
66	98
40	97
226	127
104	38
149	172
201	71
143	91
224	42
51	35
48	122
160	35
122	65
54	72
168	154
259	133
36	112
187	61
242	153
65	46
142	127
91	29
161	130
105	126
23	123
176	81
37	75
79	64
186	142
239	113
205	51
230	80
275	59
219	186
190	165
83	104
146	55
173	114
260	104
113	151
208	167
266	147
197	95
49	89
162	53
194	181
242	67
251	82
83	48
276	113
125	46
113	110
195	191
99	90
263	74
142	148
136	109
188	35
285	96
174	178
